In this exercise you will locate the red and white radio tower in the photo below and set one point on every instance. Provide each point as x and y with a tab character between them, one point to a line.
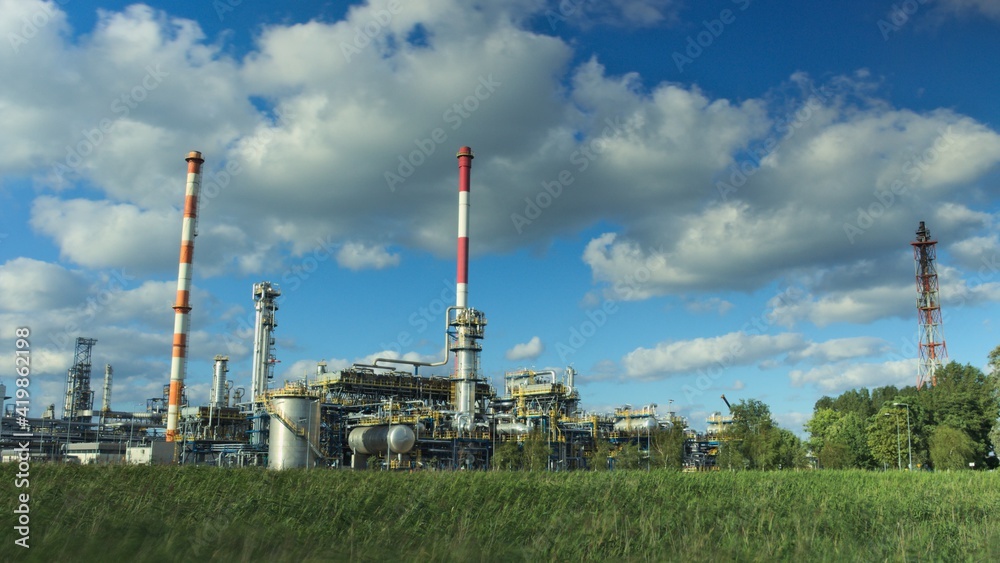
932	347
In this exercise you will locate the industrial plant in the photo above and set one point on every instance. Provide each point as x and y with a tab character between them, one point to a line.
386	415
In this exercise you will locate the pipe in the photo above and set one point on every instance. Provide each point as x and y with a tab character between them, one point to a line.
447	343
182	307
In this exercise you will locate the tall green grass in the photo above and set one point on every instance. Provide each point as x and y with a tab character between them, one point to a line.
201	514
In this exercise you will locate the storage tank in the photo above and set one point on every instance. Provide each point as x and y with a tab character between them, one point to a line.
636	424
398	439
294	424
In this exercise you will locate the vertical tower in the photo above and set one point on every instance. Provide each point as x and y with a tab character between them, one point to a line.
79	396
182	306
265	296
106	398
468	323
932	347
218	393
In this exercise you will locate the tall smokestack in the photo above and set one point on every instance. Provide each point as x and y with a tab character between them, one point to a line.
182	307
462	277
468	323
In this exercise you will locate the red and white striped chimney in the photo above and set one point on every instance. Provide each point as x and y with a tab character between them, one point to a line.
462	277
182	307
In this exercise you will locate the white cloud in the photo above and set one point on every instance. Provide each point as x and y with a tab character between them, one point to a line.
359	256
839	349
31	285
839	377
526	351
733	349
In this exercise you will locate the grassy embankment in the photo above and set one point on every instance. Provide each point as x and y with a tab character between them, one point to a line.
201	514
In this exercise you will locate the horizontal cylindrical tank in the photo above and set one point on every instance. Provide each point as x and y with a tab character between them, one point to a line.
398	439
636	424
512	428
294	424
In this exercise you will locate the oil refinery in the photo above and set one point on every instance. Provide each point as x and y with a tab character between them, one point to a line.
382	415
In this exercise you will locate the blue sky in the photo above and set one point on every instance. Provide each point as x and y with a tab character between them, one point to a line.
681	199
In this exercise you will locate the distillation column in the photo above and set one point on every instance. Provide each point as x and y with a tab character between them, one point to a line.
217	397
178	360
106	400
265	296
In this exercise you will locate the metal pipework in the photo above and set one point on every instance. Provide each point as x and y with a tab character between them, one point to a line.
182	306
217	397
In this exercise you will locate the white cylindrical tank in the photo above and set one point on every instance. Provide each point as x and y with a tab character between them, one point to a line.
398	439
636	424
512	428
294	424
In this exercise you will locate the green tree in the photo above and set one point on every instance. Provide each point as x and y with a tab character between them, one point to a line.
789	450
536	452
834	455
730	458
885	437
964	398
754	441
507	455
951	449
597	459
628	457
666	447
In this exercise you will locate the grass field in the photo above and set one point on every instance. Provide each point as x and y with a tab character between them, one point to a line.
123	514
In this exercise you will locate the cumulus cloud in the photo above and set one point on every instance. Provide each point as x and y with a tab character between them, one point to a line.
526	351
839	377
29	285
733	349
840	349
358	256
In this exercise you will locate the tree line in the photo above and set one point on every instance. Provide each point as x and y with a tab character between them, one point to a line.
952	425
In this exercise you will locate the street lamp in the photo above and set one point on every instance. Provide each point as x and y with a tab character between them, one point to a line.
909	446
899	450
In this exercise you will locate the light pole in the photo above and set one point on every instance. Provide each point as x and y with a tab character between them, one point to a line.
909	444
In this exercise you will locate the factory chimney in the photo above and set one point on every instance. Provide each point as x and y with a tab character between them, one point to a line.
178	362
467	323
